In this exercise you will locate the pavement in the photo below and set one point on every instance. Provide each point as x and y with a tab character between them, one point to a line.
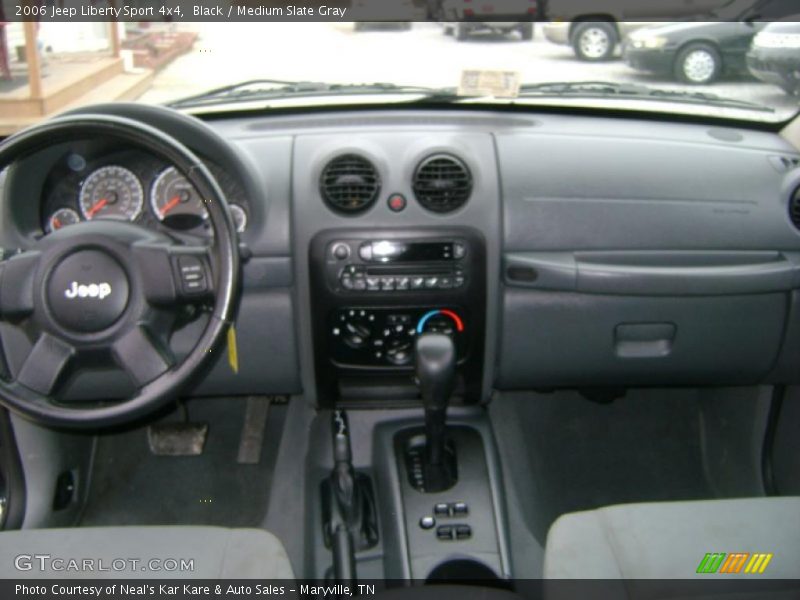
227	53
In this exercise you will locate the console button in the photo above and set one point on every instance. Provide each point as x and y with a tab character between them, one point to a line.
373	284
459	250
365	251
347	282
442	509
445	533
387	283
431	282
427	522
458	281
417	283
401	283
460	509
359	284
445	283
463	532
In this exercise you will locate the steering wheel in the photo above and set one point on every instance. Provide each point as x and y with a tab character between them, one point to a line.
106	294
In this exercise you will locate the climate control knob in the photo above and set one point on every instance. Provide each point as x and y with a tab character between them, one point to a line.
356	335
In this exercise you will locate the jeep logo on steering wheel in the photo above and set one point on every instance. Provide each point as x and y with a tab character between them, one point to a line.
91	290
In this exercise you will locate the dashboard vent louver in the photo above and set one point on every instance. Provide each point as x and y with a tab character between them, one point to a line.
442	183
794	208
350	183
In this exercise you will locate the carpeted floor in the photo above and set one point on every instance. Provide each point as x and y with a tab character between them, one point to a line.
131	486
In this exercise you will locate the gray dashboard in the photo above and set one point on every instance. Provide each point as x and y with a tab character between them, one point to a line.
619	251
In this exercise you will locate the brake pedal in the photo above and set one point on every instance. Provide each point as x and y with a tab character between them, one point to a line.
177	439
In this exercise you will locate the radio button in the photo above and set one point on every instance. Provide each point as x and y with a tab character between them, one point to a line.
458	281
445	283
431	282
365	251
387	283
459	250
359	284
347	282
417	283
373	284
401	283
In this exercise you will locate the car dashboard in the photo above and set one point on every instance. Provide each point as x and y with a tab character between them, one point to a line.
559	250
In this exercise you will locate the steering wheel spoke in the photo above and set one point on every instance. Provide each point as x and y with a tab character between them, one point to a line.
143	357
17	276
42	370
174	274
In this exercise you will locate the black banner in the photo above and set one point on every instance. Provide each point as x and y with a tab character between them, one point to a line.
622	589
396	10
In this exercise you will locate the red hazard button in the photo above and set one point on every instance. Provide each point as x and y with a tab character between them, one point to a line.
397	202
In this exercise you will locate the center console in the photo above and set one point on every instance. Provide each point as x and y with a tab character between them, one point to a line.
374	291
399	317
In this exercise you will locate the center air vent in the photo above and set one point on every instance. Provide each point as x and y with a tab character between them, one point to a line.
350	183
442	183
794	208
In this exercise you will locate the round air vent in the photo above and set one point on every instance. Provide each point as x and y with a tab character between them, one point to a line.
442	183
794	208
350	183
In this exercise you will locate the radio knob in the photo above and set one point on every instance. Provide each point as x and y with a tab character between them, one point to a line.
340	251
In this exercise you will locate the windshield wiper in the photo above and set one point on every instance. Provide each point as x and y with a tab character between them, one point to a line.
270	89
610	89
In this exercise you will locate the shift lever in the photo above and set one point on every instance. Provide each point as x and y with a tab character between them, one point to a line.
436	373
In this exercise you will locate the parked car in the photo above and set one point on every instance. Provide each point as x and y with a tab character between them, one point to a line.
463	17
591	40
774	56
699	52
595	32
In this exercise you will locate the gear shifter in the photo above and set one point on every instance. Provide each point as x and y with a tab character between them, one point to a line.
436	374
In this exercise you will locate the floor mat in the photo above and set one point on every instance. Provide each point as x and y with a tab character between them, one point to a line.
570	454
132	486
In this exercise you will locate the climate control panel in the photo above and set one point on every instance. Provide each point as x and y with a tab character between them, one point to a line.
384	336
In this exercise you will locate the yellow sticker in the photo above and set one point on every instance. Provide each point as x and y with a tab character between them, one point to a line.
233	351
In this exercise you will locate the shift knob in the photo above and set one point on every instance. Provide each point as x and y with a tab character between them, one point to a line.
436	369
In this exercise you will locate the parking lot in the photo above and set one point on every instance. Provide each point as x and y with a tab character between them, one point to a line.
232	52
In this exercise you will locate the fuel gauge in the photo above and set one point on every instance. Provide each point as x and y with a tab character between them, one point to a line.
61	218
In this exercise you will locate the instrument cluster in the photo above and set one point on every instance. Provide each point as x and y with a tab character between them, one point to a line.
129	185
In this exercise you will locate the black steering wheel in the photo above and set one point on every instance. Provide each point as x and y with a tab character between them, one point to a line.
107	294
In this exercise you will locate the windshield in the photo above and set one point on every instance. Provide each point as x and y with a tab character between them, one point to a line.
706	68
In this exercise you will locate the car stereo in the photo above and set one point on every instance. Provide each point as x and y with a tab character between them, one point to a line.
396	265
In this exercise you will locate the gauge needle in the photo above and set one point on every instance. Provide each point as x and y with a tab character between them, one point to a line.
174	201
98	206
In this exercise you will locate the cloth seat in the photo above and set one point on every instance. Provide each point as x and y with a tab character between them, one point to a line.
161	552
669	540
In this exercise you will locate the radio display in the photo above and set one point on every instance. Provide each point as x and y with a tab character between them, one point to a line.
386	251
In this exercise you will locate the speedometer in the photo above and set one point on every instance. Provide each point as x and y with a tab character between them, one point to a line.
111	192
175	201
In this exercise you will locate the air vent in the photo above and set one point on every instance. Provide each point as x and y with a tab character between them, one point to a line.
442	183
794	208
350	183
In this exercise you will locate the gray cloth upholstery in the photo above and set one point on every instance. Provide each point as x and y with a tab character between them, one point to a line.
668	540
215	552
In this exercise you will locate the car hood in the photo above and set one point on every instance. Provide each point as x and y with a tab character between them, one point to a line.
686	28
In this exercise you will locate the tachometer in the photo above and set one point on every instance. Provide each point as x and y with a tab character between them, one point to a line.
61	218
175	200
111	192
